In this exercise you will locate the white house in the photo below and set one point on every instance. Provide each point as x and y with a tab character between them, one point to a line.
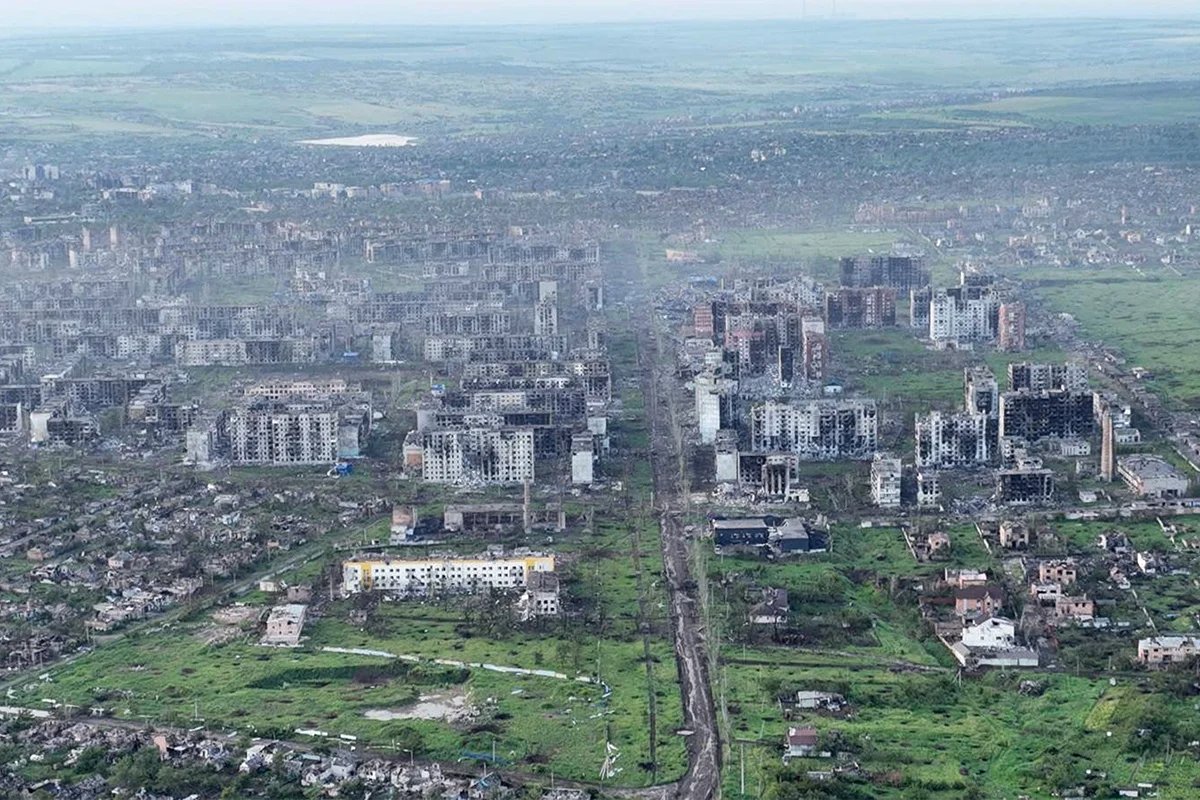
993	633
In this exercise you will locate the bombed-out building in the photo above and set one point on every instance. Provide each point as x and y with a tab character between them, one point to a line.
948	440
860	307
903	272
1068	376
1035	415
1024	482
816	429
284	423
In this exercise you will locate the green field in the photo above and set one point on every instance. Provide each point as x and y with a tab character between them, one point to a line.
1149	317
914	729
291	82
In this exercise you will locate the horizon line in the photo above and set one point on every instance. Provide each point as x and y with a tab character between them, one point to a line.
20	30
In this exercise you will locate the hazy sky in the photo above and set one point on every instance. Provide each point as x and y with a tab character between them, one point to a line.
120	13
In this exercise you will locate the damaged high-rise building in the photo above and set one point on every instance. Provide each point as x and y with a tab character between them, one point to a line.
902	272
816	429
476	455
1012	327
957	439
965	314
285	423
1025	482
1069	376
1036	415
860	307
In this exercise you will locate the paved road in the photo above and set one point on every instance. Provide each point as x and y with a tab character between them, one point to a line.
703	777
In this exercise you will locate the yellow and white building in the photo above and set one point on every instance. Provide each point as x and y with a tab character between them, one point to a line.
422	576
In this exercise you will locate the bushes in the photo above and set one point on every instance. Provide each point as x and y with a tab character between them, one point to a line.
362	674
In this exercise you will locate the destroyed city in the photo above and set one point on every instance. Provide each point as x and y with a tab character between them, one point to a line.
599	400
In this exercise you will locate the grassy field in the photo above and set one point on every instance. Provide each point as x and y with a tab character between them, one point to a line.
818	250
286	82
1153	323
913	728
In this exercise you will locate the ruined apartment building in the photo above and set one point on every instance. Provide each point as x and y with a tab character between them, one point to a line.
860	307
285	423
886	477
966	314
1012	327
1069	376
816	429
241	352
476	455
946	441
714	404
894	271
1026	482
1037	415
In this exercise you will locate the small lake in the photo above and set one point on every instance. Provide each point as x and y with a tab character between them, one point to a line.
366	140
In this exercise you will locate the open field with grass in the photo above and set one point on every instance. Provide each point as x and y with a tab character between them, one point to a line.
1149	317
287	82
913	728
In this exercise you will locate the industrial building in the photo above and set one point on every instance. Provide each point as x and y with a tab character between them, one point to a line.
769	534
1151	476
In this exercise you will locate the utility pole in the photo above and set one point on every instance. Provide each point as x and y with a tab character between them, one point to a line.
742	765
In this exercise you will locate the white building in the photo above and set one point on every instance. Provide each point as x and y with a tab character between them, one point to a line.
541	596
422	576
1151	476
728	466
712	404
886	473
583	459
477	455
994	633
945	441
963	314
816	429
929	488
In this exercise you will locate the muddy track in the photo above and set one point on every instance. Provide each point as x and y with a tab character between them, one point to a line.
703	777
